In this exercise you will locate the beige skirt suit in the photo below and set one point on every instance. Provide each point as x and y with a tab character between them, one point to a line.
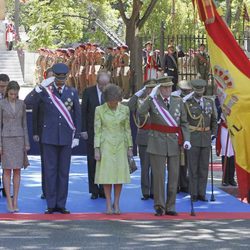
13	134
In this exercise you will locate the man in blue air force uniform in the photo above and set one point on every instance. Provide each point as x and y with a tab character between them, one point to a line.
61	132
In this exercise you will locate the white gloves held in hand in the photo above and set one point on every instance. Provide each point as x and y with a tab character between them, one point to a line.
75	143
187	145
97	154
213	137
140	92
154	91
84	135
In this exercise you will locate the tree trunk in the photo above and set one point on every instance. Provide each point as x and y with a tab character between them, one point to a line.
134	44
228	13
17	18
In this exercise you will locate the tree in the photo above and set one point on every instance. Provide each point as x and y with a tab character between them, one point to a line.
139	12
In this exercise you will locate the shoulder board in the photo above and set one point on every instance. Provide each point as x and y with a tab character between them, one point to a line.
210	98
177	97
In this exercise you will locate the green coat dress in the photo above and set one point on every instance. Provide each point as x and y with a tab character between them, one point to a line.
113	137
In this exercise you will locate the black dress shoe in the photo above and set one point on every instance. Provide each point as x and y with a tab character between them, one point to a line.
184	190
194	198
158	212
202	198
151	196
233	183
145	197
94	196
63	211
49	211
172	213
102	195
225	184
42	196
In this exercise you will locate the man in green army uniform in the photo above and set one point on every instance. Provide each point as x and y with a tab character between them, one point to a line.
185	89
39	69
124	73
168	130
202	63
202	118
143	124
109	59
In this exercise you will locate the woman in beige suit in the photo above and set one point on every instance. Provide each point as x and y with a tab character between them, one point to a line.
13	141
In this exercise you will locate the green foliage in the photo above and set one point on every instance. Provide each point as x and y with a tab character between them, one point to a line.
54	23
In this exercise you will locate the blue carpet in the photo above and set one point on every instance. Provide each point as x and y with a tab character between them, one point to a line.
79	199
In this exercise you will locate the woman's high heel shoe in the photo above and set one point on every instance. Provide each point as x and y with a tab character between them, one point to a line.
109	211
16	210
10	209
117	211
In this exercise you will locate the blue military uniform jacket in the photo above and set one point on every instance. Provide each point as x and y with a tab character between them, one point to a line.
56	130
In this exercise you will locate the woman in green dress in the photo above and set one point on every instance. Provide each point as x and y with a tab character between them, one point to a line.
113	145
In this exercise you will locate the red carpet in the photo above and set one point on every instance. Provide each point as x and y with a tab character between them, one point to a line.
127	216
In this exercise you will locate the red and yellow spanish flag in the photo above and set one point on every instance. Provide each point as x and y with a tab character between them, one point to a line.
231	69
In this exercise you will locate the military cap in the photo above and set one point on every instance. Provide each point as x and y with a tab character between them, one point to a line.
148	42
198	84
60	70
170	46
165	81
150	83
184	84
71	50
124	46
82	46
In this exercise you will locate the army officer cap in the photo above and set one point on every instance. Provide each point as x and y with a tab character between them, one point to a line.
60	71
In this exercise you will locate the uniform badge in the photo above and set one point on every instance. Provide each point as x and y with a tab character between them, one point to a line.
68	104
177	114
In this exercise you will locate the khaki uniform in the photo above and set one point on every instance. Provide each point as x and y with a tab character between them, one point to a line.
142	142
163	145
202	124
202	65
124	73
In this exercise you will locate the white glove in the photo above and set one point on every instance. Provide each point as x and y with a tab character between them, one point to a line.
154	91
46	82
75	143
188	96
187	145
140	92
36	138
84	135
213	137
97	154
130	152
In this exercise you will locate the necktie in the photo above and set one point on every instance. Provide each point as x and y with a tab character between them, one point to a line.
59	90
166	102
102	99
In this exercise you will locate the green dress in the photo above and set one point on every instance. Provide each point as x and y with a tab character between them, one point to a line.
113	137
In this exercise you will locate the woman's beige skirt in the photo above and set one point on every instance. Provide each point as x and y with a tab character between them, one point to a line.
13	152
